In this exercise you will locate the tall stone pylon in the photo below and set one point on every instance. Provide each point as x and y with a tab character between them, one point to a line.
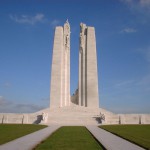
88	94
60	71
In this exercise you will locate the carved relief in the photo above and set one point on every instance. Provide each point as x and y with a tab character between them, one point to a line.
82	36
67	35
67	42
81	50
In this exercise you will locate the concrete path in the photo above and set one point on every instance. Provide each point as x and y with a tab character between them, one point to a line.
111	141
29	141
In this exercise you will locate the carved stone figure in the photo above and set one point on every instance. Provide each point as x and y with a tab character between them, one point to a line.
67	35
82	36
67	43
44	117
67	27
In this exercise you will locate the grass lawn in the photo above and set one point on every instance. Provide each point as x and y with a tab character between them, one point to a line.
9	132
139	134
70	138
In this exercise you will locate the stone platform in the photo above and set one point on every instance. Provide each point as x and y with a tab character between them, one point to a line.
74	115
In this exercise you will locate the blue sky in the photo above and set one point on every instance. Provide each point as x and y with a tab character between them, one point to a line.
123	51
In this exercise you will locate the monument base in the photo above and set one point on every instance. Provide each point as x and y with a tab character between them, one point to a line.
74	115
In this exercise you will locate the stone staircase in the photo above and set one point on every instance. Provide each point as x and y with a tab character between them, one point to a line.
78	115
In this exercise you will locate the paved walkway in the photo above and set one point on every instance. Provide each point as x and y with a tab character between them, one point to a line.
29	141
111	141
108	140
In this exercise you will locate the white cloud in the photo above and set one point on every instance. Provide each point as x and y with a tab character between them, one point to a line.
130	87
145	52
145	3
140	9
55	22
28	107
128	30
7	84
26	19
140	5
12	107
9	107
4	102
38	18
45	99
124	83
145	81
148	54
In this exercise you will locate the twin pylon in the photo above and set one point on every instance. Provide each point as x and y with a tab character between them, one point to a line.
87	93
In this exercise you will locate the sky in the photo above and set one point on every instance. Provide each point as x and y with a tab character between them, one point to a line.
123	51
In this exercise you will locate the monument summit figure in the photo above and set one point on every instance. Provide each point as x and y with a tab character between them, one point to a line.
87	93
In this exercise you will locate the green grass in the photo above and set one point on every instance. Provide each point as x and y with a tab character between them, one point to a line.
138	134
9	132
70	138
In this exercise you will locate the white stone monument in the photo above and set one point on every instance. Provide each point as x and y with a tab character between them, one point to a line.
87	94
82	108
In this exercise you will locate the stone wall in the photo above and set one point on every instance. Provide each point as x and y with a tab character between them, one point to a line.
127	119
73	115
135	118
30	118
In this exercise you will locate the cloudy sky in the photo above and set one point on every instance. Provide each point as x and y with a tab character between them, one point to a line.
123	51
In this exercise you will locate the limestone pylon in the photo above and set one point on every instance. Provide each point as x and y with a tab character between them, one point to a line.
88	94
60	71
